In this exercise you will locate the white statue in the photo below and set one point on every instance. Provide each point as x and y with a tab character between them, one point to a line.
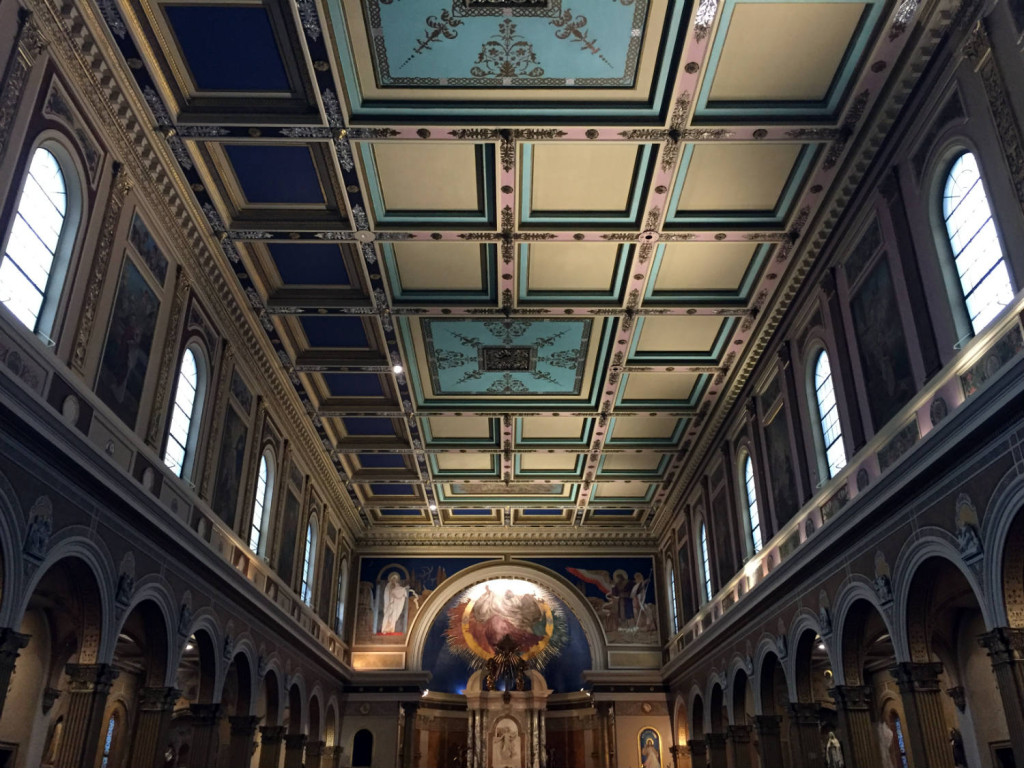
505	750
834	752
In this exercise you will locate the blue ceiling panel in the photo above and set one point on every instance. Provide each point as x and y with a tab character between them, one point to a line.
382	461
276	174
354	385
247	59
335	332
309	263
366	427
392	489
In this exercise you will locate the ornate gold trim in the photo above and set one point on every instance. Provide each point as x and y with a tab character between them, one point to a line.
28	43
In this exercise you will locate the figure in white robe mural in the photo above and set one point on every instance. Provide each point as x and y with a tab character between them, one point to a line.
505	749
396	594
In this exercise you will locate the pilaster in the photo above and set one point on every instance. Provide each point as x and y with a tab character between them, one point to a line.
11	643
805	735
409	709
154	711
922	706
205	726
856	733
716	748
83	721
769	739
1005	648
294	746
739	737
271	737
243	735
315	751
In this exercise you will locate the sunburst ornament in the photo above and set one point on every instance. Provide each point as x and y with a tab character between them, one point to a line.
486	613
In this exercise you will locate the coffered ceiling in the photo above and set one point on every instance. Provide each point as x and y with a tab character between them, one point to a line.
565	220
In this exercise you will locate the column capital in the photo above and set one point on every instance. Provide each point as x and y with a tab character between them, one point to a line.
410	707
1004	644
678	749
315	748
697	748
768	725
271	734
911	676
714	740
803	713
205	714
90	678
850	697
11	643
294	740
244	724
158	699
738	734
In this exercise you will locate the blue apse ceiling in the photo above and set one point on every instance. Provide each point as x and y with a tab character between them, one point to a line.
513	199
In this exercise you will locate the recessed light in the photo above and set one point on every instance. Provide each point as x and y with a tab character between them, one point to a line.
433	507
397	369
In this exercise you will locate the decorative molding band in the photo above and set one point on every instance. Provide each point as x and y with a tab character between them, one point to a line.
119	190
28	44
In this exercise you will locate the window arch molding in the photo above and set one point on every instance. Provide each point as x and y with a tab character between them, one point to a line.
264	496
68	159
751	514
174	439
937	173
826	469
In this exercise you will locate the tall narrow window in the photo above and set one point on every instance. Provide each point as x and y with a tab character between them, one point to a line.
899	744
181	436
108	742
342	586
984	278
828	415
261	503
308	563
35	240
705	561
672	593
753	515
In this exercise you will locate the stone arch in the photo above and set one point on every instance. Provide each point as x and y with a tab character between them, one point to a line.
855	590
295	697
500	569
716	720
154	591
198	661
315	727
272	693
145	626
680	720
802	633
772	684
1002	535
237	694
331	725
766	646
12	534
740	698
696	714
928	551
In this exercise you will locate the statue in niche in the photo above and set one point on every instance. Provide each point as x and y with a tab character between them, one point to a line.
956	742
834	752
505	749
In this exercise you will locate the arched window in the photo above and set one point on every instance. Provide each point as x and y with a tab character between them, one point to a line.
39	244
705	560
183	433
828	415
977	253
108	741
753	515
308	563
674	601
899	745
342	586
261	503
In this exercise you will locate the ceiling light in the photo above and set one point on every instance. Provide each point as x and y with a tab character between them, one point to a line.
397	369
433	507
821	646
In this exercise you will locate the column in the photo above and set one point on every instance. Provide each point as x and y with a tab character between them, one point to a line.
739	738
1005	648
769	739
681	756
11	643
154	718
922	706
243	735
543	738
804	735
698	754
315	751
408	757
270	745
87	696
294	745
329	757
205	723
716	750
604	747
856	731
612	746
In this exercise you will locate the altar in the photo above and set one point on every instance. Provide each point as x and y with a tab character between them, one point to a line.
507	728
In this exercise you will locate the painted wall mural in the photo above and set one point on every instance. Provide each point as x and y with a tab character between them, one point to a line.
650	748
128	344
230	462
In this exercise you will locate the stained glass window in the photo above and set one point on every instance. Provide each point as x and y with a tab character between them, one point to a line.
342	586
108	742
752	512
901	745
828	414
706	561
32	245
672	593
261	504
308	563
977	253
180	436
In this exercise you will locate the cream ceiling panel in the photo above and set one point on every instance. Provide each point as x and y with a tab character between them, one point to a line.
679	333
736	177
463	461
456	427
582	177
659	386
552	427
620	488
432	266
560	462
625	462
651	427
427	177
703	266
804	43
572	266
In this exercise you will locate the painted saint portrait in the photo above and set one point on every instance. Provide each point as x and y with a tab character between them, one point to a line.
147	248
627	609
129	342
392	604
229	466
650	748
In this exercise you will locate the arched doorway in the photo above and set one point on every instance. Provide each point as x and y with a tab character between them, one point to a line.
362	749
813	714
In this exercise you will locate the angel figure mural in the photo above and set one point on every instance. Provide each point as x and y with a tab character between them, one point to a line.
626	611
395	595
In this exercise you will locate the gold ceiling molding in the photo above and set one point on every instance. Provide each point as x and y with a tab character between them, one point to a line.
83	56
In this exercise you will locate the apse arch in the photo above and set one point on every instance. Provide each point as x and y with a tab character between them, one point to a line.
500	569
